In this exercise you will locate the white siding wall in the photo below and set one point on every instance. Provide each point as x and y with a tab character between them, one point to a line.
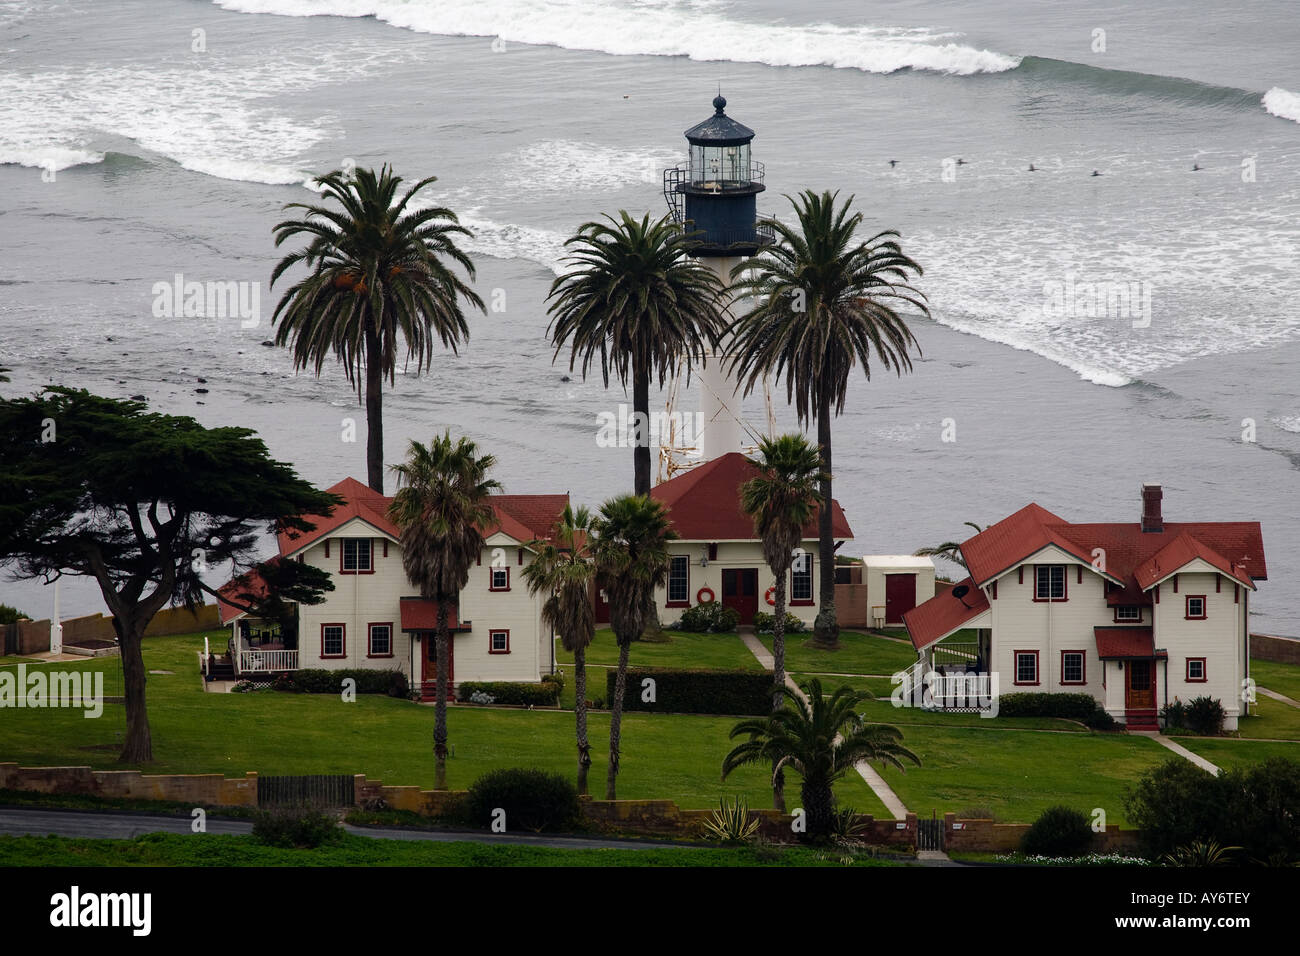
741	554
1219	639
1022	624
359	600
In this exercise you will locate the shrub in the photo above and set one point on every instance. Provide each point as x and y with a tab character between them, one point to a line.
1259	810
1201	853
296	828
731	823
317	681
714	617
845	824
1174	715
1069	706
507	692
1205	716
533	800
557	679
1058	831
1100	720
11	615
676	691
284	682
243	687
1174	805
763	623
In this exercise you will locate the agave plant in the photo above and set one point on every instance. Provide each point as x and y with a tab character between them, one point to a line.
1201	853
731	822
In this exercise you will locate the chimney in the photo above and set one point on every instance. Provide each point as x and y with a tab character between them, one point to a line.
1151	517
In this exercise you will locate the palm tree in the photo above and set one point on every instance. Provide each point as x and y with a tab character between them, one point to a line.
948	549
442	508
564	570
823	302
631	551
377	271
781	500
640	307
821	739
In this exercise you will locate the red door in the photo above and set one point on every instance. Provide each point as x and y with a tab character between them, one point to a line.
1140	692
900	596
429	674
601	604
740	591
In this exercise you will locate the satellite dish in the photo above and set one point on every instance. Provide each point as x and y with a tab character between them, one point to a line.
960	592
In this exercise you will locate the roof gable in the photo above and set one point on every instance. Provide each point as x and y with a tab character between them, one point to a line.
704	503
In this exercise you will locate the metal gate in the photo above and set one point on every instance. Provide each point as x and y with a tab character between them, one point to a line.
333	790
929	835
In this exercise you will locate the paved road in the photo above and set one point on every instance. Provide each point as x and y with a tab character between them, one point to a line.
121	826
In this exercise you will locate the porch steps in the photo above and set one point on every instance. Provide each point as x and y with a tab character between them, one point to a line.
220	668
1141	720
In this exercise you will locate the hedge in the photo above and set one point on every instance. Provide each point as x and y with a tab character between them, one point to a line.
683	691
315	681
545	694
1070	706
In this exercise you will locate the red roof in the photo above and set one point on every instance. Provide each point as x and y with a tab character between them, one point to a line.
421	614
1120	642
704	503
249	588
1234	547
522	517
938	617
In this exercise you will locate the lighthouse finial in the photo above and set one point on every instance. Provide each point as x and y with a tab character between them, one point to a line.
719	101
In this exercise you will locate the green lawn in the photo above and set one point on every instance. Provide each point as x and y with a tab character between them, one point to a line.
1282	678
674	757
1019	774
171	849
11	659
709	651
1271	719
1226	752
858	654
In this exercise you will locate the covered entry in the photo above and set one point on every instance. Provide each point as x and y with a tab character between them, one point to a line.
740	591
420	620
1129	656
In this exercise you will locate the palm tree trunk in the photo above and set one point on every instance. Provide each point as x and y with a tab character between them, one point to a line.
374	413
440	703
819	804
616	719
641	409
137	747
778	676
580	709
826	630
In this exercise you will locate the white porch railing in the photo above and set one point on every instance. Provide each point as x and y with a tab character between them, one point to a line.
254	661
962	691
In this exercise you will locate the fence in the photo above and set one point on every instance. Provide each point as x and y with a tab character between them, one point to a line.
33	637
333	790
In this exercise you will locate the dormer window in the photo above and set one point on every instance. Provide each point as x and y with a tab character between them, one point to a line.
1129	613
500	580
1049	582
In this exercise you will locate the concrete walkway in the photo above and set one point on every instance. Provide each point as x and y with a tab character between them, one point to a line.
868	773
1274	695
1169	745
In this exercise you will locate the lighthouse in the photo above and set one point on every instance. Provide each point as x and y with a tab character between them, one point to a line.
714	197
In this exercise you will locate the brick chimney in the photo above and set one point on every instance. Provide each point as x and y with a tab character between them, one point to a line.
1152	520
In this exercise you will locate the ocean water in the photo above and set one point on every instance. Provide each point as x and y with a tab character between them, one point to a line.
1089	332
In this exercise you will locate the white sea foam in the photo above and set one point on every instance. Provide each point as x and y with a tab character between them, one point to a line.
566	166
1287	424
1283	103
211	119
671	28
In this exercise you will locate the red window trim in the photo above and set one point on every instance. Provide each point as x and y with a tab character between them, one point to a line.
499	630
1187	608
1187	671
492	579
370	639
687	602
1127	620
1083	669
812	585
342	549
333	657
1015	670
1065	585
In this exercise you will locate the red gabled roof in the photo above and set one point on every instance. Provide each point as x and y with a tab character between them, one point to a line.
421	614
523	517
250	583
1115	643
1234	547
359	501
938	617
1182	551
704	503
